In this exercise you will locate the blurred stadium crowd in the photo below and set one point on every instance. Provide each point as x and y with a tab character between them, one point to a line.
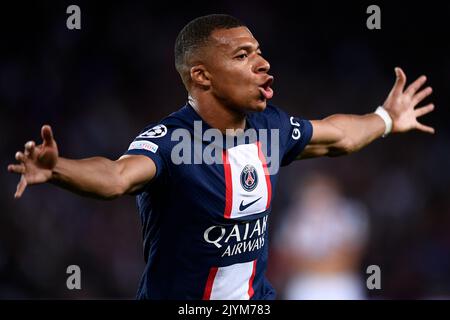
388	205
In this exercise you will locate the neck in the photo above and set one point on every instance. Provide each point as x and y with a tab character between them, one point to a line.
216	114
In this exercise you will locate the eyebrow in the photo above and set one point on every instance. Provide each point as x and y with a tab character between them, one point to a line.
246	47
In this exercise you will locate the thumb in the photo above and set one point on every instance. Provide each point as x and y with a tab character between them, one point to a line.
47	135
400	81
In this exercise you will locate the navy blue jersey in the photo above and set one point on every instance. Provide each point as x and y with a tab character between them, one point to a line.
205	225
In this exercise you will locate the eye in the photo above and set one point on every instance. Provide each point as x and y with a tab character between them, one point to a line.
242	56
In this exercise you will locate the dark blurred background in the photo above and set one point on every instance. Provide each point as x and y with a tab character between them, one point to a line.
99	86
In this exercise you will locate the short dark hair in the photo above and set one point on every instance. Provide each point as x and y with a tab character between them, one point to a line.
196	35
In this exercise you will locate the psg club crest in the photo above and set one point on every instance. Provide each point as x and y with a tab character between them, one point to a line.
155	132
249	178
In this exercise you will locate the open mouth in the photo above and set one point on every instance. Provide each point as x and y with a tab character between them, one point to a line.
265	89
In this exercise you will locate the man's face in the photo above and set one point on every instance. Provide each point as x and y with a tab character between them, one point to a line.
238	72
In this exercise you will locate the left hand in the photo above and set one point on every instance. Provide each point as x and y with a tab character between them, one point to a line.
400	104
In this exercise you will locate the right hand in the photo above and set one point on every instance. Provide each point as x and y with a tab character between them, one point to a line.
36	164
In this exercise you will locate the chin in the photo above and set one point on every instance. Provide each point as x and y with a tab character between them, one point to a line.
253	106
260	106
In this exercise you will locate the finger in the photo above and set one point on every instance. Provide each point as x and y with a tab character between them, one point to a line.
20	156
413	87
29	148
422	94
400	81
17	168
47	134
20	187
424	110
424	128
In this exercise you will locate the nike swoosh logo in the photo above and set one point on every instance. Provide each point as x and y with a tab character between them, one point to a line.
243	206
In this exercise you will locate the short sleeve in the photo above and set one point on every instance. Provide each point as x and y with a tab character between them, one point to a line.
295	134
152	142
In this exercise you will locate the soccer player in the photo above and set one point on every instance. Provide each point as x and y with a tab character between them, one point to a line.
205	223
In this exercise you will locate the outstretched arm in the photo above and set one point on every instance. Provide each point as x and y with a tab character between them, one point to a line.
342	134
95	177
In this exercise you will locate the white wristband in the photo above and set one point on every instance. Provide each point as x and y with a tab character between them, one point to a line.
386	118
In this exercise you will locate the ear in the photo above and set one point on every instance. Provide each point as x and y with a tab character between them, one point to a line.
200	76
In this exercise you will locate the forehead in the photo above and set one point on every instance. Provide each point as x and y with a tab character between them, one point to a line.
229	39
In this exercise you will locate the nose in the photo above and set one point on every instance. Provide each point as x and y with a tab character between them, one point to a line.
262	65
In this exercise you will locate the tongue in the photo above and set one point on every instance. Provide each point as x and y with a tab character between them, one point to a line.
267	92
